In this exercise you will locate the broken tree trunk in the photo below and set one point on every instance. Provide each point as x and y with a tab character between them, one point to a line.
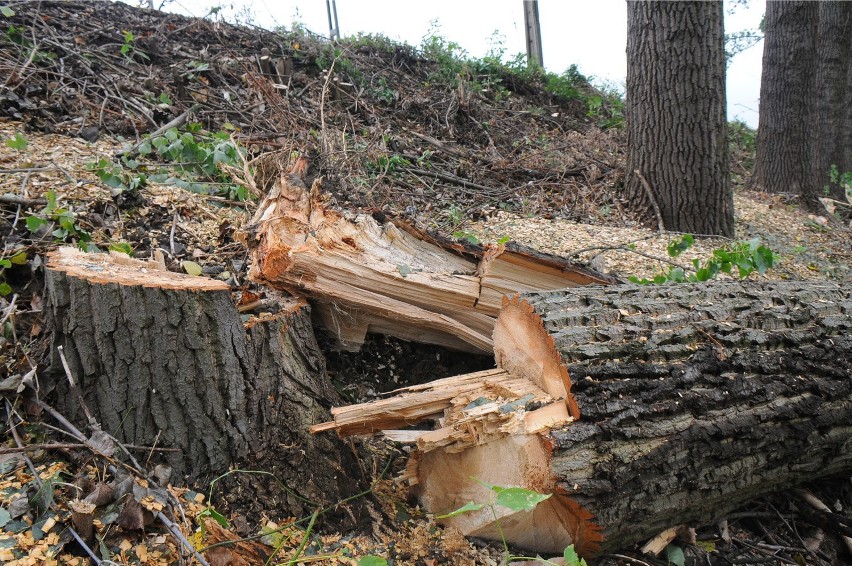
658	406
375	274
164	359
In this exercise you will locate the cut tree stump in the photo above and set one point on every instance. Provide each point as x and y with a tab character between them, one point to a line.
164	359
376	274
645	407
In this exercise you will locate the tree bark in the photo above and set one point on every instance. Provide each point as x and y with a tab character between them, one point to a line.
695	399
164	359
829	131
645	407
677	155
786	90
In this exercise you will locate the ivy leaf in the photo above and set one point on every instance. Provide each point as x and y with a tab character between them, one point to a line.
19	258
215	515
518	498
674	554
571	558
191	268
122	247
466	508
34	223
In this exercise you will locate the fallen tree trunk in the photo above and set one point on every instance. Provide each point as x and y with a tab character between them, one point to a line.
371	273
164	359
666	405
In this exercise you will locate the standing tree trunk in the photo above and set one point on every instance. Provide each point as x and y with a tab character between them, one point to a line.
677	155
830	128
164	359
789	56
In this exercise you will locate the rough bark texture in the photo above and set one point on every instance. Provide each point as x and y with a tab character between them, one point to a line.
829	133
676	116
786	111
694	399
173	365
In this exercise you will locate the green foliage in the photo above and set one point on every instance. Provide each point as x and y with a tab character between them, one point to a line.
742	136
372	560
62	222
570	557
19	258
193	158
499	76
7	11
674	555
466	236
746	256
516	499
18	142
119	176
128	49
838	178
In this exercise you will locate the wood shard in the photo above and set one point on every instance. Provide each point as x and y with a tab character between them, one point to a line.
380	274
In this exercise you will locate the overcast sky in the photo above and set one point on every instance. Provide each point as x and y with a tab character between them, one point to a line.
589	33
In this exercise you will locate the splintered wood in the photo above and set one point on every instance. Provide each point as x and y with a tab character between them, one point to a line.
370	273
468	410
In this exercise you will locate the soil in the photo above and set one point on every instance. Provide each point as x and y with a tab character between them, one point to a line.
388	132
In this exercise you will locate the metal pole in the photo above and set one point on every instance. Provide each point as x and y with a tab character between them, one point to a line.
533	33
333	25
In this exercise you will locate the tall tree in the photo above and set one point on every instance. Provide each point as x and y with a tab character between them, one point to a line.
782	162
677	154
832	98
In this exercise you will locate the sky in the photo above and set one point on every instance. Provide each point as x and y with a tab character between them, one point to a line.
589	33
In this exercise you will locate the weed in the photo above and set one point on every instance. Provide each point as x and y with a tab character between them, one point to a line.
62	222
196	159
836	178
128	49
18	142
746	256
19	258
516	499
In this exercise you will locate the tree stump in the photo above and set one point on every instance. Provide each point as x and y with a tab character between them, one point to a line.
164	359
646	407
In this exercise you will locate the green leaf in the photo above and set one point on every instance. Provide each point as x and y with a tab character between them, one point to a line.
215	515
571	558
518	498
43	497
34	223
503	240
19	258
18	142
677	247
372	560
164	98
121	247
191	268
5	289
466	508
4	263
9	12
674	554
